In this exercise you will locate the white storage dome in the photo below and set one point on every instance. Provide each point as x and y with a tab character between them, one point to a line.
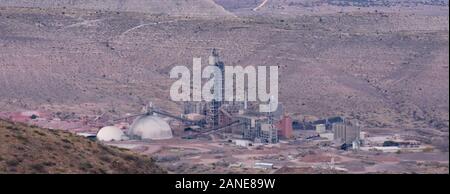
110	133
150	127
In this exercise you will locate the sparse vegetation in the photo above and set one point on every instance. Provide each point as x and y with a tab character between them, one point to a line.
85	166
40	168
13	162
386	67
47	151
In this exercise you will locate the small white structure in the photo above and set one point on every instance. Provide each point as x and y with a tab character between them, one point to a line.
87	135
150	127
263	165
320	128
391	149
242	142
236	165
111	133
356	144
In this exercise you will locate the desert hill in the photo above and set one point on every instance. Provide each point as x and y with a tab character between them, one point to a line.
388	69
193	8
28	149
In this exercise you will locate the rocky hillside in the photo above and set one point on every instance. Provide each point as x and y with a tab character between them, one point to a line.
193	8
28	149
386	67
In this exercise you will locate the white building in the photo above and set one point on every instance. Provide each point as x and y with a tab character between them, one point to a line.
263	165
111	133
150	127
320	128
242	142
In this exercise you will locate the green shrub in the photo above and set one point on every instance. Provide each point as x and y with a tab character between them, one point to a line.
85	165
38	167
13	162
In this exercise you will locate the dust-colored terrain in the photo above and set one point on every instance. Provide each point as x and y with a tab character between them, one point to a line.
28	149
384	63
296	156
185	8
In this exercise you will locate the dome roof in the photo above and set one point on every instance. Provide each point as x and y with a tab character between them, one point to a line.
110	133
150	127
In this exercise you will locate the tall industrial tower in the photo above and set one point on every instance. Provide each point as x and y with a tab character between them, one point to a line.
213	113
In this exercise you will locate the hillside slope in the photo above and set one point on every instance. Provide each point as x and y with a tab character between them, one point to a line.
26	149
193	8
388	70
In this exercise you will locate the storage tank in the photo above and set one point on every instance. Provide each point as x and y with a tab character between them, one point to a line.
150	127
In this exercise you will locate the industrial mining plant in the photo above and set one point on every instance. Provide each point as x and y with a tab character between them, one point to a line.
231	136
287	86
205	129
238	122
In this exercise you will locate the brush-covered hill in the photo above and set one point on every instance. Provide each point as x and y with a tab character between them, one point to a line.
388	68
28	149
192	8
